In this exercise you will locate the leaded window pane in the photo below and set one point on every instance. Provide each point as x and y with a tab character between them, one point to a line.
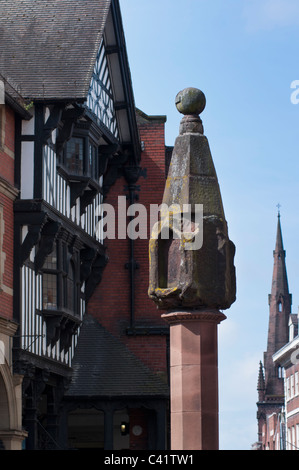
51	260
74	156
49	291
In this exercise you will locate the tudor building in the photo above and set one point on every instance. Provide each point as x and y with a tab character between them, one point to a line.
75	80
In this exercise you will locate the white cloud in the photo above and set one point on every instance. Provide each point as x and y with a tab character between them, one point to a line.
270	14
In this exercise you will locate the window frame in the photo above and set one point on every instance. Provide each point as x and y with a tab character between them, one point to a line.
90	169
63	261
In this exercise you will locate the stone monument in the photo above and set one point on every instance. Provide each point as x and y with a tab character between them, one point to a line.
192	278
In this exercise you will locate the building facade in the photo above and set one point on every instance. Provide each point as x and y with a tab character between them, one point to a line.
12	434
76	146
287	359
137	392
278	383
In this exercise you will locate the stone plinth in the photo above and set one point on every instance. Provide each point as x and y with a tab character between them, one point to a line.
194	379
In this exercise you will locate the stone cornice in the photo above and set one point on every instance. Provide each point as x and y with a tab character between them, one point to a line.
181	316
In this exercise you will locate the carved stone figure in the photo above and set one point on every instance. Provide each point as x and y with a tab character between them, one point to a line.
183	272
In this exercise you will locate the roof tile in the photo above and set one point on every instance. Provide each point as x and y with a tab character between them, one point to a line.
49	47
103	366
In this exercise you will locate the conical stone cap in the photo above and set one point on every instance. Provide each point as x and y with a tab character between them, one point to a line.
181	275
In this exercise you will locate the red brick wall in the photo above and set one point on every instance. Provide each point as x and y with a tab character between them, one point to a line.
6	208
111	300
7	150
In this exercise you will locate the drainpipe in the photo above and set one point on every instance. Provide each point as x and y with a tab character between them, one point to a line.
132	174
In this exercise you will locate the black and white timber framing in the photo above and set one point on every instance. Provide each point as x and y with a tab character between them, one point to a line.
67	156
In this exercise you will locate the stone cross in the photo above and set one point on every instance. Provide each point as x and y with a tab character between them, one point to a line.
192	281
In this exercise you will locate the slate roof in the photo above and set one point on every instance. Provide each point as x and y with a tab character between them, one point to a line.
49	47
104	367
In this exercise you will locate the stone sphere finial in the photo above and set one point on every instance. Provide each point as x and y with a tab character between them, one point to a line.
190	101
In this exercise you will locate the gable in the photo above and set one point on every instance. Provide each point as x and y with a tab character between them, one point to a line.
110	97
100	100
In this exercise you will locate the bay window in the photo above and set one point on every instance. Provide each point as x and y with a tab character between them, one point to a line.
60	286
80	157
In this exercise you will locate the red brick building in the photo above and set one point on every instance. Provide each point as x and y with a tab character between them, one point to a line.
287	359
278	386
11	110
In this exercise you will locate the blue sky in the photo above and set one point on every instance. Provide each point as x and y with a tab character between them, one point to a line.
243	54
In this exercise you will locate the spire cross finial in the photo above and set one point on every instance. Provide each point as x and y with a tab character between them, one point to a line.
278	207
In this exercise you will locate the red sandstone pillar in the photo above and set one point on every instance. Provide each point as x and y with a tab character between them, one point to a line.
194	379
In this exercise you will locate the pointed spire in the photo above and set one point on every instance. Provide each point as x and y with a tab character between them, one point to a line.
279	242
280	285
280	302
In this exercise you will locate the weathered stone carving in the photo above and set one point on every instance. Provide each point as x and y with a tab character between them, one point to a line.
179	275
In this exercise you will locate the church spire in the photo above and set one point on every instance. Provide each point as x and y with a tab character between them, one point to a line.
280	301
270	385
280	298
279	242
